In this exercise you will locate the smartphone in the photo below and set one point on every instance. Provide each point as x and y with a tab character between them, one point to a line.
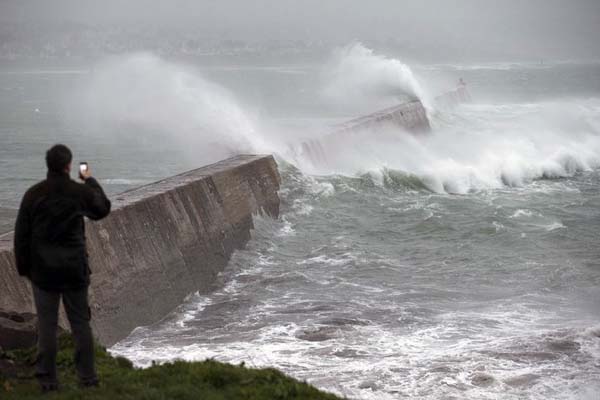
83	167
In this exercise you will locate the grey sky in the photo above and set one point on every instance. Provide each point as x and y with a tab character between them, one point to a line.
510	28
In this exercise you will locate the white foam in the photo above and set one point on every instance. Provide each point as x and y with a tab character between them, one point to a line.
429	362
287	228
498	226
490	147
554	226
323	189
323	259
521	213
301	207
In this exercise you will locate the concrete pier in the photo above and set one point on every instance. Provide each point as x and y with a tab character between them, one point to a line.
162	242
453	98
410	117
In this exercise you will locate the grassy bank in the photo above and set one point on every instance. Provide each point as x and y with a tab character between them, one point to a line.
206	380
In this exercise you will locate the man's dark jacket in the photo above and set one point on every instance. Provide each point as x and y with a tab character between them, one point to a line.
50	232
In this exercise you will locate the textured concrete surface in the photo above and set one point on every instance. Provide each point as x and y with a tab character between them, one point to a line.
406	117
17	330
162	242
410	116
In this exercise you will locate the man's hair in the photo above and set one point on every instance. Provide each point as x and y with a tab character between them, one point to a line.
58	157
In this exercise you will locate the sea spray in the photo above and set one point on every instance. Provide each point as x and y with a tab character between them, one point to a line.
144	96
359	80
476	147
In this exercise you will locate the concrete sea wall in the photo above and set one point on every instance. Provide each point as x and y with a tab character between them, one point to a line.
410	116
162	242
407	117
453	98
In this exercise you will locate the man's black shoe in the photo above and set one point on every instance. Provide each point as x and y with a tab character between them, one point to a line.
89	384
48	387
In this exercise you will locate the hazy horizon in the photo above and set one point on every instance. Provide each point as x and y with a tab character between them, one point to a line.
425	30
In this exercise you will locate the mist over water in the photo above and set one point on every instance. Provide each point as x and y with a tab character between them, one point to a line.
165	101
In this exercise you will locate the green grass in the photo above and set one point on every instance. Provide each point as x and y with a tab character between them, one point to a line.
206	380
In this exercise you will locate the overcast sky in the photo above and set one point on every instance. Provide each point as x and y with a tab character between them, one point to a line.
543	29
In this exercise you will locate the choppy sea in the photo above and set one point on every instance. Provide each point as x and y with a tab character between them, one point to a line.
458	264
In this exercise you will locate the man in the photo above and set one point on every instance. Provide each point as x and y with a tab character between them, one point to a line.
50	251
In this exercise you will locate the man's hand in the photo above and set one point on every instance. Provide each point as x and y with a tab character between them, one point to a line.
86	174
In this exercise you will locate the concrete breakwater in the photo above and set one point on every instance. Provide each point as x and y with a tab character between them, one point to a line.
162	242
406	117
410	116
453	98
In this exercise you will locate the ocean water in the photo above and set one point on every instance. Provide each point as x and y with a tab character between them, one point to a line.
458	264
